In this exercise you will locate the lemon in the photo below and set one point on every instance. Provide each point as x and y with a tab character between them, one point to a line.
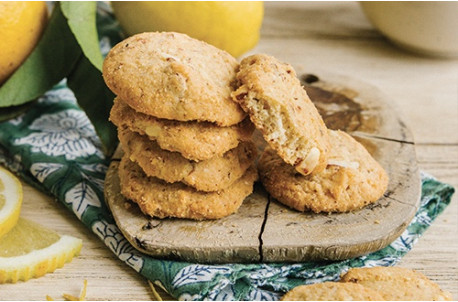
30	250
21	25
27	250
10	200
232	26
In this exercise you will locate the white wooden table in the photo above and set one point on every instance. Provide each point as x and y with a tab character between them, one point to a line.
337	38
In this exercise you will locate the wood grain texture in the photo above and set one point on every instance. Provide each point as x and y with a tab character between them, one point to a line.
362	111
341	236
230	239
330	36
267	231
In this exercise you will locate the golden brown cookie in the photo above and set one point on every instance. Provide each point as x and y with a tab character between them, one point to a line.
160	199
351	180
397	284
332	291
194	140
277	104
172	76
214	174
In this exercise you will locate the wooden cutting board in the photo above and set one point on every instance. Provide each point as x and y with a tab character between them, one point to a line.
263	229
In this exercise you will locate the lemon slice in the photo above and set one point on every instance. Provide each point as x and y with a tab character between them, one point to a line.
10	200
30	250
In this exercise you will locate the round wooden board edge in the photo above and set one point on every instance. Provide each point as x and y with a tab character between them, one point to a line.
205	255
308	253
367	93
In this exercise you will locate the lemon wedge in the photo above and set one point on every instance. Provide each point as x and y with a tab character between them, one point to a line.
30	250
10	200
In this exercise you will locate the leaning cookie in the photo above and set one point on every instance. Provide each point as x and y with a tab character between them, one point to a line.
351	180
277	104
172	76
194	140
397	284
332	291
214	174
160	199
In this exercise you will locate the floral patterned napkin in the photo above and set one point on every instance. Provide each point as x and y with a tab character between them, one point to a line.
53	147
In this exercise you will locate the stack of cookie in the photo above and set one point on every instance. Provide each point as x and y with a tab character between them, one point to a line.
306	166
187	146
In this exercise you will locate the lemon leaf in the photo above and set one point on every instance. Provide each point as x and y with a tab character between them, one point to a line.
96	101
13	111
50	61
69	48
81	18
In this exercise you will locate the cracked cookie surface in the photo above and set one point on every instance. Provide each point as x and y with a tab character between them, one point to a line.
397	284
172	76
332	291
194	140
269	91
214	174
160	199
351	180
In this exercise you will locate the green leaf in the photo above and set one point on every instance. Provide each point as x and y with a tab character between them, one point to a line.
81	16
50	61
96	100
13	111
107	25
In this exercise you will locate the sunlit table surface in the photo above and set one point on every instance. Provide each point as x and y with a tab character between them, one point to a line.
330	36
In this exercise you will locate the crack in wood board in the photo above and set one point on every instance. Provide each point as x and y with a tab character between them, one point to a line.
368	135
266	214
264	230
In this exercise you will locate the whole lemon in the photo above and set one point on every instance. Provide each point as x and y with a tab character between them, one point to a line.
21	26
232	26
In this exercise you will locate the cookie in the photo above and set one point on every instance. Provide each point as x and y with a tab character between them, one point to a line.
194	140
214	174
351	180
396	283
277	104
172	76
160	199
332	291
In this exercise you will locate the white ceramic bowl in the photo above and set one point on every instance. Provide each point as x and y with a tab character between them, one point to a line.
425	27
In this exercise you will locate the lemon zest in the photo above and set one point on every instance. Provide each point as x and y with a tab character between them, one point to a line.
83	291
69	297
155	293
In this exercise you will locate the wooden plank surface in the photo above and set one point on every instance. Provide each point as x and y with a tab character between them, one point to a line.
279	234
334	36
289	236
363	112
229	239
